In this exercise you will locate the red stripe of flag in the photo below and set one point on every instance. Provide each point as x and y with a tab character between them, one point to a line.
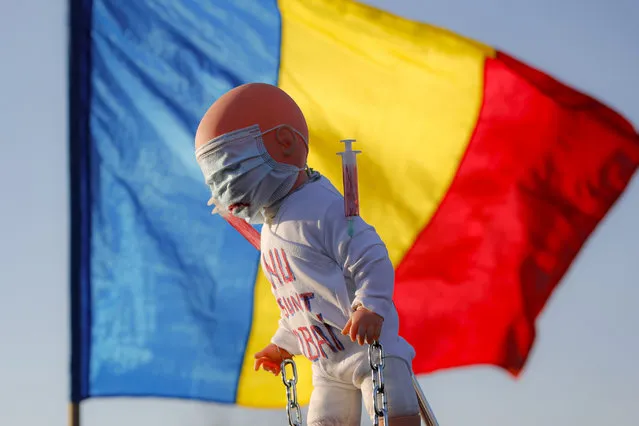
544	166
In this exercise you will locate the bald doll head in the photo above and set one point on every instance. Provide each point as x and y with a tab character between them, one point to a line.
252	146
267	106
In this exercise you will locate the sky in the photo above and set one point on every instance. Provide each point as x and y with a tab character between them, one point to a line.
583	369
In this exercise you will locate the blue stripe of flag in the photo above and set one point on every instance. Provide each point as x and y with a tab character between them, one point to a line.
170	286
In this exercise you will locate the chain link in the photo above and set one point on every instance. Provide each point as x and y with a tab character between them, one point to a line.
376	360
293	410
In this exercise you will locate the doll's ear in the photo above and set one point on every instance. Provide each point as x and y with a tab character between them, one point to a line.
287	140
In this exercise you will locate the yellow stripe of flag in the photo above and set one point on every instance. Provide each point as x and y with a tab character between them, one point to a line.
358	72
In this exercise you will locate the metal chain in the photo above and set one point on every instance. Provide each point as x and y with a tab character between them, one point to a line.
376	360
293	410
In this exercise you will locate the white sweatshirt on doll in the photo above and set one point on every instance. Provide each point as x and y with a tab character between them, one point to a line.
318	273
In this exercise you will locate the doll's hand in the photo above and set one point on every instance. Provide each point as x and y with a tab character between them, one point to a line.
270	358
364	325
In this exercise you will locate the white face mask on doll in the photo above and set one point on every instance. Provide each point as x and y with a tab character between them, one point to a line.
243	177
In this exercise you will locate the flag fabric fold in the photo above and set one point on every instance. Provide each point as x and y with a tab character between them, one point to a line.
484	176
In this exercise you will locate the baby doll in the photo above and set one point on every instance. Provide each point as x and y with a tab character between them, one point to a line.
332	281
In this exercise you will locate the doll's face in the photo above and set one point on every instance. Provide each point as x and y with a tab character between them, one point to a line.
242	173
272	116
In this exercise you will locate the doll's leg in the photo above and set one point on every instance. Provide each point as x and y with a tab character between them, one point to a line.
403	408
334	404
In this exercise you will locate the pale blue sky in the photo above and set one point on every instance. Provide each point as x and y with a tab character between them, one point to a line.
583	370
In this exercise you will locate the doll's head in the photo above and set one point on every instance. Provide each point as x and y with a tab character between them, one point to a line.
252	146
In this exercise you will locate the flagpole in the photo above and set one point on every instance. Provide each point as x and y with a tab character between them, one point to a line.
74	414
80	14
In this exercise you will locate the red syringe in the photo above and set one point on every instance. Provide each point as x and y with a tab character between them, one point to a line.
349	176
242	226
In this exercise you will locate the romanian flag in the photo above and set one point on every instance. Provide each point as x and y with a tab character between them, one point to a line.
483	175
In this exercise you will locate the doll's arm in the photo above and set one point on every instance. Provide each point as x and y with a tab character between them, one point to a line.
362	256
285	338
